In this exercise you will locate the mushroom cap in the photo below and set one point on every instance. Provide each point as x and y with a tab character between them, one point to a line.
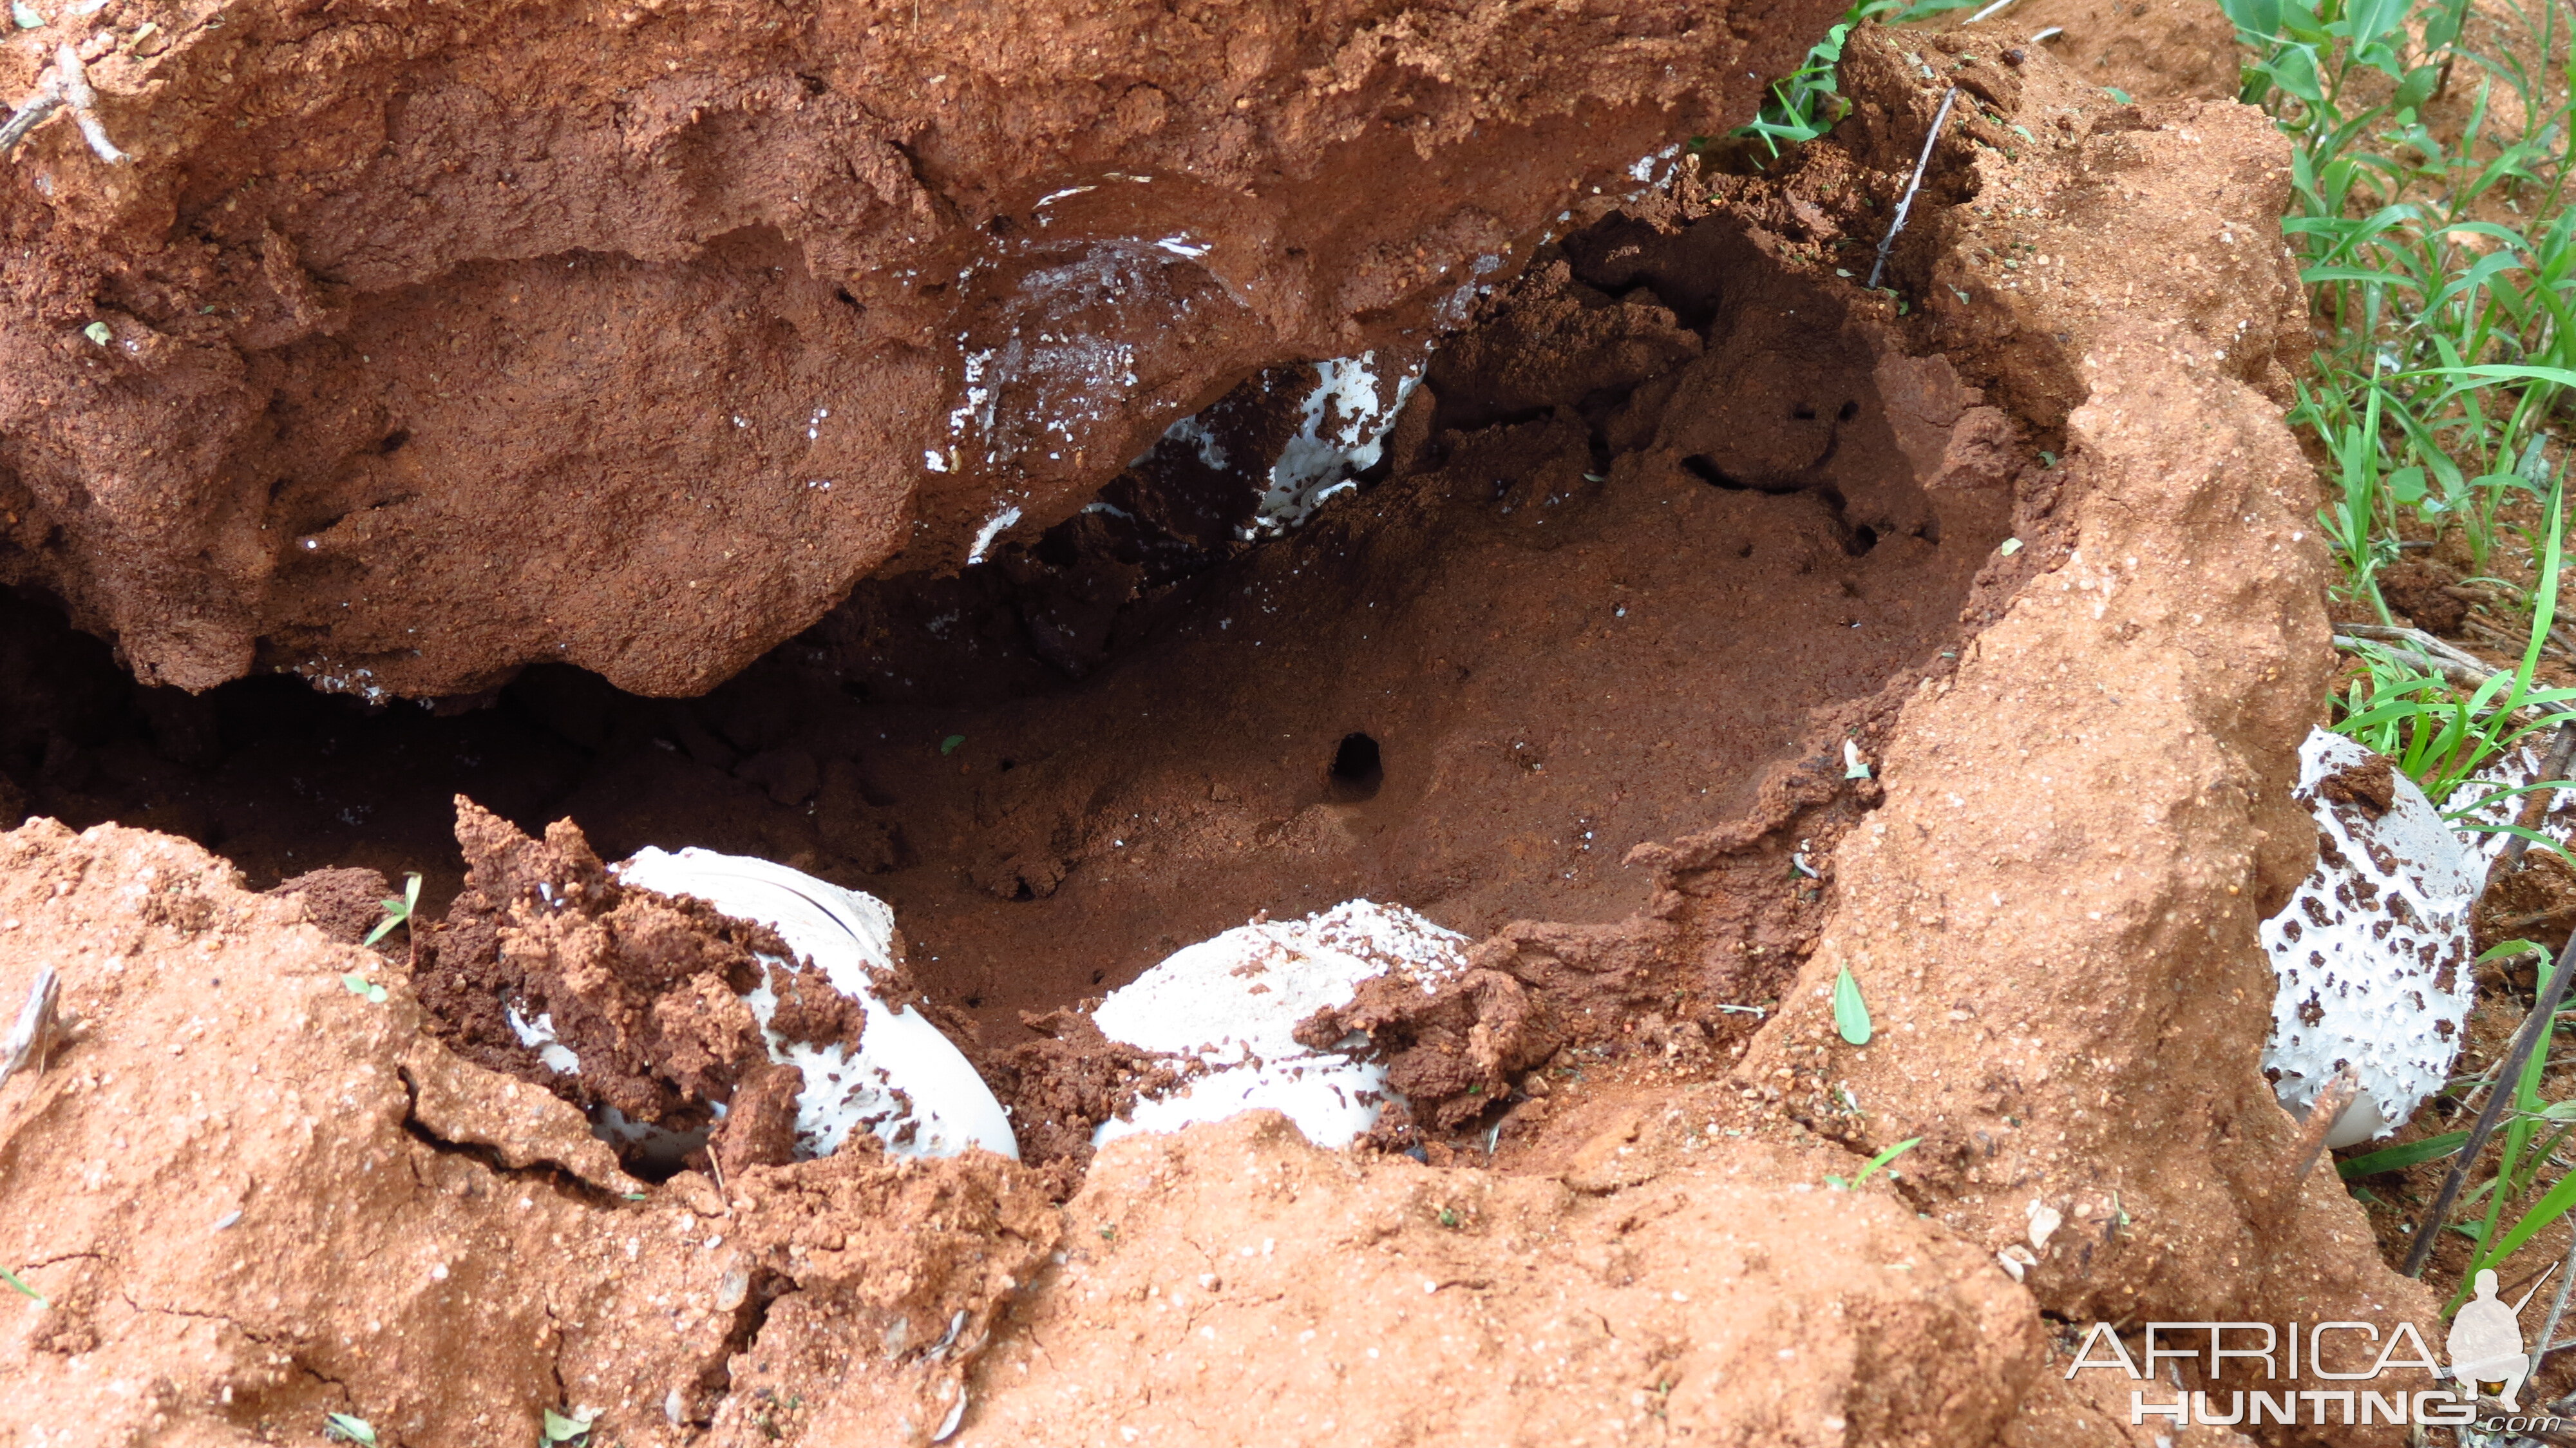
1235	1001
904	1072
2373	953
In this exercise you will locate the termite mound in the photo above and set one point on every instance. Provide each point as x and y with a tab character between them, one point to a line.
2046	888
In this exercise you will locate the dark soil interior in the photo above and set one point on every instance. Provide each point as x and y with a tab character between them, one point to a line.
1643	536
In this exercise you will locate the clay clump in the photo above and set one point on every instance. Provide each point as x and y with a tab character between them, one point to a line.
545	951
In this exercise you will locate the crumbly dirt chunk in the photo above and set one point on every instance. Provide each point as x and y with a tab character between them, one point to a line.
1068	1080
644	988
2427	593
2534	901
2370	787
759	1127
346	902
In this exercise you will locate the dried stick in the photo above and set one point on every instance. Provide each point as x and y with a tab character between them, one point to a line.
2458	667
67	85
1905	205
2557	1309
2544	1013
30	113
2466	677
2520	923
2416	639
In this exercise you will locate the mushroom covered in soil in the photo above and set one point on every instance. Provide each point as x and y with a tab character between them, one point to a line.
1234	1003
2373	952
905	1080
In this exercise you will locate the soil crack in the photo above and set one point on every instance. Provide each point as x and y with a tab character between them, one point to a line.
490	1158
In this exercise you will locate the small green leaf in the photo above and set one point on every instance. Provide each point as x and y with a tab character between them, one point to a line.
560	1429
2117	94
25	15
2370	19
98	332
349	1428
2009	547
359	985
13	1280
397	911
1851	1017
1854	767
2417	88
949	745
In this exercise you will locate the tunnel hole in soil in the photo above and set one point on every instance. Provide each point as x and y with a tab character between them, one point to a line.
1356	770
1615	567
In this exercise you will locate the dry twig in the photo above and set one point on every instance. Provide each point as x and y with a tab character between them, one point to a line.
2463	670
2557	1309
1887	242
2420	649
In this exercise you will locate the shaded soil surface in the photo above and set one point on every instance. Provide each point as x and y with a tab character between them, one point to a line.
1653	545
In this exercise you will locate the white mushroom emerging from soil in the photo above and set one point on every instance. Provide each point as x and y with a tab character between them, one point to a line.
1235	1002
904	1072
2373	953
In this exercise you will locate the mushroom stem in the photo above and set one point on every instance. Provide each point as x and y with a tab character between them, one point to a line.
2331	1100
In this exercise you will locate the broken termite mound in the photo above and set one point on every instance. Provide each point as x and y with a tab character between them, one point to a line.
2048	893
629	336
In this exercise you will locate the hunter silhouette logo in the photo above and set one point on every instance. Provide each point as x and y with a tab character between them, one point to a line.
2487	1359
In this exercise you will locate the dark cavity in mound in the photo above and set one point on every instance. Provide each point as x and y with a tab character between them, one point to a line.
1657	535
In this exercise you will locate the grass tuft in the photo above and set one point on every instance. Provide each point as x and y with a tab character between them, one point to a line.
1804	104
2428	178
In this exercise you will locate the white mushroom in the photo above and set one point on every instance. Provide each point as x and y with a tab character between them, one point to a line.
843	933
1235	1002
2373	953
